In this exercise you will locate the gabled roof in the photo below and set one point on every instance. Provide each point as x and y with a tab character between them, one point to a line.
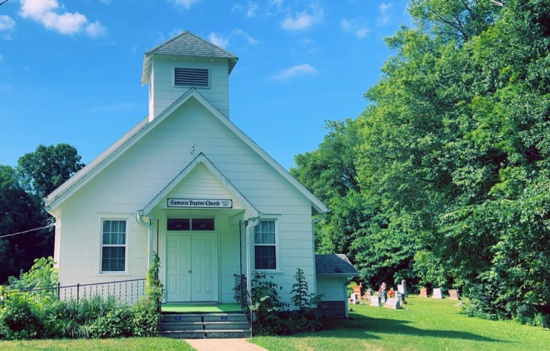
201	159
185	44
71	186
334	265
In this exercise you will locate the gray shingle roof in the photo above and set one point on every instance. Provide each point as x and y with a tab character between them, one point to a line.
335	264
187	44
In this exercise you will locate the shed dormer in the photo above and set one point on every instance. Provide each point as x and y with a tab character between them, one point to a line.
185	62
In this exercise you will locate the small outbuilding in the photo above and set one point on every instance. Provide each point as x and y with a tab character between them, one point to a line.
333	275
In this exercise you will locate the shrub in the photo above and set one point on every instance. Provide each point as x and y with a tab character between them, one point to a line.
36	311
273	316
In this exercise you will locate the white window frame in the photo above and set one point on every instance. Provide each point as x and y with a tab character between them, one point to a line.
125	245
275	244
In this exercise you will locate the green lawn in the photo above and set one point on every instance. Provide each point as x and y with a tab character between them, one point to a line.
423	324
132	344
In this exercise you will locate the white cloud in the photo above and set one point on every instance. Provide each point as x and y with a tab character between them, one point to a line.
384	17
245	35
298	70
6	22
354	26
303	20
252	9
186	3
217	40
48	13
95	29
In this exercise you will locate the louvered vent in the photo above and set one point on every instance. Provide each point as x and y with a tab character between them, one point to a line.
193	77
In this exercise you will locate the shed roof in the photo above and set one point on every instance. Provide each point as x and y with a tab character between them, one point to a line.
186	44
334	264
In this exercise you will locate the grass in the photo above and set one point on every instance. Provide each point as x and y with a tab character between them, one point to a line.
423	324
131	344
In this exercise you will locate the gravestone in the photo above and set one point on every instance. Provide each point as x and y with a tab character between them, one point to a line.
401	297
383	295
405	290
393	303
453	294
358	290
424	292
369	293
375	301
354	299
437	293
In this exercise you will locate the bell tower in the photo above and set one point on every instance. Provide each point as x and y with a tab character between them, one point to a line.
187	62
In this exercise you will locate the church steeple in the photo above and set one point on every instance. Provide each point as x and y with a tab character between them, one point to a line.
184	62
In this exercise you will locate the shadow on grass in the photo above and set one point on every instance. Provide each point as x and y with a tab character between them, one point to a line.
358	326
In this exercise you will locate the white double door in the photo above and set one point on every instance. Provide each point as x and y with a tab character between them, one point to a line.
191	267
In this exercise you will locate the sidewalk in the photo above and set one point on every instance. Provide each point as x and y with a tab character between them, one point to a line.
223	345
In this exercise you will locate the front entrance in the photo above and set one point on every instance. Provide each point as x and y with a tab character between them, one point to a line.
191	267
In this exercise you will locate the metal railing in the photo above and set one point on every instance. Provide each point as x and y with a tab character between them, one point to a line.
127	291
243	296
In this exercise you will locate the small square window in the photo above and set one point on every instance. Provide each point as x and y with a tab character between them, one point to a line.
178	224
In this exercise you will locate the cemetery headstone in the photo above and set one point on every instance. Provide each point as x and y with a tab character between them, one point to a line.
383	296
358	290
400	288
369	293
437	293
400	297
393	303
404	283
453	294
375	301
424	292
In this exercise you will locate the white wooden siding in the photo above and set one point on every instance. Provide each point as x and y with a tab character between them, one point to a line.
137	176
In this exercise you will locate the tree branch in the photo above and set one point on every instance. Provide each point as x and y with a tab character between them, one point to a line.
498	3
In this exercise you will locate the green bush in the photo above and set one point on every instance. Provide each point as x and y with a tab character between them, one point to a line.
273	316
32	310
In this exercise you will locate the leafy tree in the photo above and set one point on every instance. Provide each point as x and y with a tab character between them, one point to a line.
456	140
45	169
21	207
19	211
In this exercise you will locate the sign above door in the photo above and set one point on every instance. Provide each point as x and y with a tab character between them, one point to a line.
200	203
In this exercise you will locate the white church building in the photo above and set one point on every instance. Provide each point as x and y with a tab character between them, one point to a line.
188	184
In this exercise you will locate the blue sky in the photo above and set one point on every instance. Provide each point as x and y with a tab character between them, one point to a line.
70	70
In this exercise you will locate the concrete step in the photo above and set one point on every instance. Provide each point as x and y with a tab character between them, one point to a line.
228	334
204	325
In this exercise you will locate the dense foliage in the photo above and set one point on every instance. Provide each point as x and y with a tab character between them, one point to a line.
272	316
31	309
22	190
451	159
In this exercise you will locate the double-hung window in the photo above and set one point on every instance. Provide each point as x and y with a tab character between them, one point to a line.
113	246
265	245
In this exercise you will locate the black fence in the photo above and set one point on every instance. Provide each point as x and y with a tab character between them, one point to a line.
127	291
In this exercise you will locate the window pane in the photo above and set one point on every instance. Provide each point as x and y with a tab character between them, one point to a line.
113	259
178	224
114	232
202	223
264	232
265	257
